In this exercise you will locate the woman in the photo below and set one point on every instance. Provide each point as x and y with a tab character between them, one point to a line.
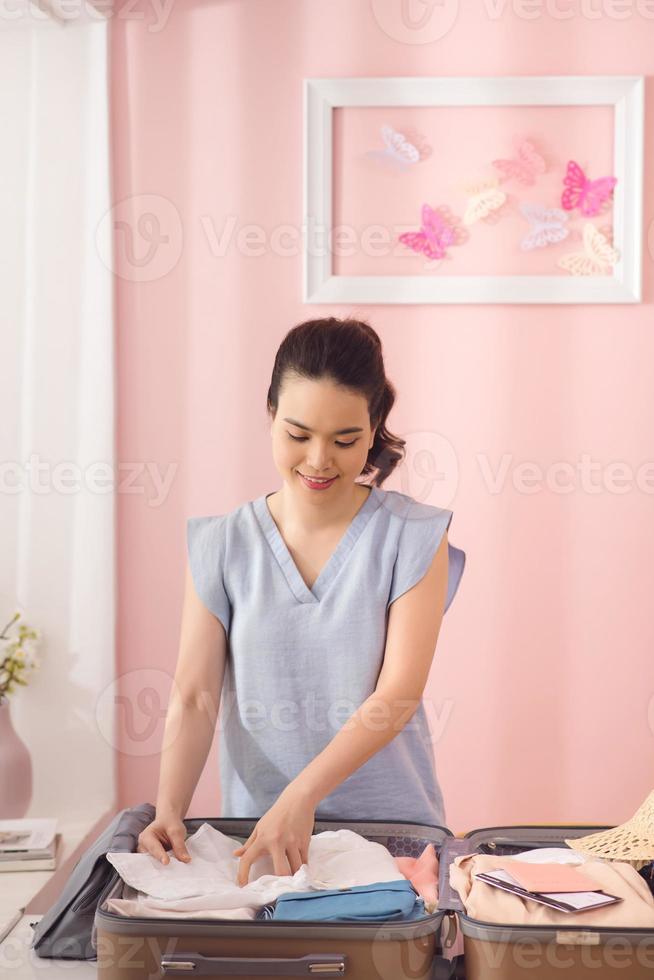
319	606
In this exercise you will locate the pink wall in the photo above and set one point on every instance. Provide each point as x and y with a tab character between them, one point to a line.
543	677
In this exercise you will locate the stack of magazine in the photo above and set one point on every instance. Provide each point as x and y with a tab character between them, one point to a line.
30	844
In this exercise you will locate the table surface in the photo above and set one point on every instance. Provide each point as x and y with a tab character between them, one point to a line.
19	962
18	891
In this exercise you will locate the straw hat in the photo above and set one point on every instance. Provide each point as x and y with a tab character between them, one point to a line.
632	841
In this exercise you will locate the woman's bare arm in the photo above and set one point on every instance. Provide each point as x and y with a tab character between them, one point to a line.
193	705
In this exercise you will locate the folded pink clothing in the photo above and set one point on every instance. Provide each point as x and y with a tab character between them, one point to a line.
422	872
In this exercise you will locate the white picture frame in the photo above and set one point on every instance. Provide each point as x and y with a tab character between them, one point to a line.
624	92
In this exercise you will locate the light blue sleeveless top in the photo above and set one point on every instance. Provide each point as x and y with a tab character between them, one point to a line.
301	661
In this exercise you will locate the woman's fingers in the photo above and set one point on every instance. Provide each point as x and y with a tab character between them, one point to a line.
240	850
286	860
245	864
177	838
162	835
280	861
154	847
294	859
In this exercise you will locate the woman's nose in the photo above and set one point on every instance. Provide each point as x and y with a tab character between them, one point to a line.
319	460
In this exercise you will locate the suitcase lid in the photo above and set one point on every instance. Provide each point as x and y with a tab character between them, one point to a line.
65	929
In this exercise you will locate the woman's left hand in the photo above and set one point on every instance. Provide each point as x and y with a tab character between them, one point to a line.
284	831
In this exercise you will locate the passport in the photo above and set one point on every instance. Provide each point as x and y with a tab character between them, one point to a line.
550	877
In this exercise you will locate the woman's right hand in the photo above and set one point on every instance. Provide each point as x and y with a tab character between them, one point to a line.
161	835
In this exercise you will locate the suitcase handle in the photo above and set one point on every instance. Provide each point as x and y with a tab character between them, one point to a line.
316	964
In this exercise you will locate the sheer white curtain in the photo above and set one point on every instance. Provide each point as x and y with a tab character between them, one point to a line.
57	489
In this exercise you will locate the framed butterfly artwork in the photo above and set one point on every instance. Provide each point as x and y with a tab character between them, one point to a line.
522	189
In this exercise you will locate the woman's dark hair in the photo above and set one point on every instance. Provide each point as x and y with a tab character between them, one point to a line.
348	353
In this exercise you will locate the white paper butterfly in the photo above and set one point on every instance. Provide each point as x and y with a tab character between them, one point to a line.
547	226
597	258
401	149
485	200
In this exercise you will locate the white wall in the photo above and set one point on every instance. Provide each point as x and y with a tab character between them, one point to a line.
57	402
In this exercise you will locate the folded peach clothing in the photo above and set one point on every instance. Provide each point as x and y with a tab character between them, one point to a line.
143	907
482	901
422	872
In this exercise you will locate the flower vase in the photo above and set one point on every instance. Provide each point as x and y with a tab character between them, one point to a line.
15	768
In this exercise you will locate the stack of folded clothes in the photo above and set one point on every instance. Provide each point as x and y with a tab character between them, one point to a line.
347	878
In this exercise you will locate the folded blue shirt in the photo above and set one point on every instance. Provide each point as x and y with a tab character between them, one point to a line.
418	911
377	902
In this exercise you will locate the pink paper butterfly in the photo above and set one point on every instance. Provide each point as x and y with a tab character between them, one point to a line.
525	167
587	195
440	229
417	139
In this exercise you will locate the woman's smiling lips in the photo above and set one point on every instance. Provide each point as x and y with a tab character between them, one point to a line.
316	484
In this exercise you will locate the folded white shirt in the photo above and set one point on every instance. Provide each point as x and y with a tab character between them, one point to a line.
208	883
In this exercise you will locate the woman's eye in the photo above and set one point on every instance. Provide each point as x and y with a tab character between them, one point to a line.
304	439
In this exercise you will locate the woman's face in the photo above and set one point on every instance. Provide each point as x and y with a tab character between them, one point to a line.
320	449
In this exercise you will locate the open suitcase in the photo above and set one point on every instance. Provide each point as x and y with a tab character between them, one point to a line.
77	926
519	952
130	948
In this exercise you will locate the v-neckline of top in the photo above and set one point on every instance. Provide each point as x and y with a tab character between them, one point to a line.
333	564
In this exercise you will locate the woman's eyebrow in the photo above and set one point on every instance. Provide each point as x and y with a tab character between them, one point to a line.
339	432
